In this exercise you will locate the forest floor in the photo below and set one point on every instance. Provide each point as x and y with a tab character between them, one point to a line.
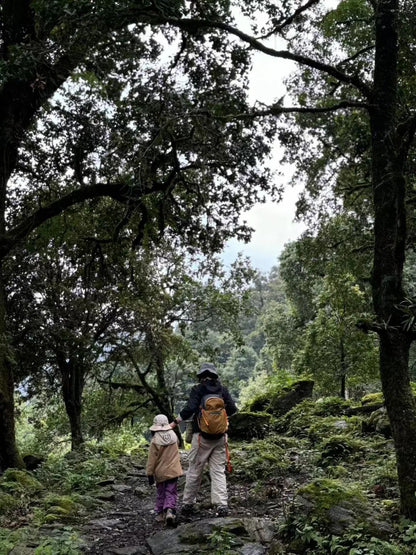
124	523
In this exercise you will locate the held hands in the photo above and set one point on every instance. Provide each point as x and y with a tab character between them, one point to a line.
173	424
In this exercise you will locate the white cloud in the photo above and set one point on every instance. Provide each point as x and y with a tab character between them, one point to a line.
274	227
273	222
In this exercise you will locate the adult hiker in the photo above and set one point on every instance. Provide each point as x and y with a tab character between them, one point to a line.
209	404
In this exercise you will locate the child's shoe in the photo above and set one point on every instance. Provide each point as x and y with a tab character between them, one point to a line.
160	517
170	517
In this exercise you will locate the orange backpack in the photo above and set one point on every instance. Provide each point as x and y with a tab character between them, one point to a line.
212	415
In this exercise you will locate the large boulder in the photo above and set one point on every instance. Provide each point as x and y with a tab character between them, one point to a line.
221	535
378	422
340	507
246	425
283	401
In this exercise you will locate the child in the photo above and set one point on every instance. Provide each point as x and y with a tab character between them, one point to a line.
164	466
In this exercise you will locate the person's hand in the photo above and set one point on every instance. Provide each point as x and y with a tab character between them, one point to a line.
151	480
173	424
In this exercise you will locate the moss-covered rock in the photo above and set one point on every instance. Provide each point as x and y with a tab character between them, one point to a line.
280	402
340	448
340	506
246	425
377	398
61	507
297	421
19	481
259	460
323	493
332	406
317	419
372	398
378	422
321	428
223	535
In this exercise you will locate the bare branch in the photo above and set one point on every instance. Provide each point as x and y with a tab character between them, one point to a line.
357	54
278	110
192	25
288	21
123	385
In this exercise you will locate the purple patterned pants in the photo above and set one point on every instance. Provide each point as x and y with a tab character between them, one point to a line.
167	495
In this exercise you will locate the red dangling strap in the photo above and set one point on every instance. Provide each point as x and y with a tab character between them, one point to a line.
227	452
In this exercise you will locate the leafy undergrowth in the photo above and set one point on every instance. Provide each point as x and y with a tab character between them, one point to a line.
345	497
330	487
350	504
44	509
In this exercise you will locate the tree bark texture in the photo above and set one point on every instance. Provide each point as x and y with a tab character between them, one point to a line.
343	365
401	409
9	455
72	388
388	183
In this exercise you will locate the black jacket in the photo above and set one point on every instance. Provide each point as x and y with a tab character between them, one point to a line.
191	409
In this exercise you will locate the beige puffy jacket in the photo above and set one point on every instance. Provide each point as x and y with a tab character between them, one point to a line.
163	461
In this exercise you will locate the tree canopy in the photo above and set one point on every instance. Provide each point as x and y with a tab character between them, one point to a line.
139	112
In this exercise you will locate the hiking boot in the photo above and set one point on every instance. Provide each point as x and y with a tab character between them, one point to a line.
160	517
222	510
170	517
187	510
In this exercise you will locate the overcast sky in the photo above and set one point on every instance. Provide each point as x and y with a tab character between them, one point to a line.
273	222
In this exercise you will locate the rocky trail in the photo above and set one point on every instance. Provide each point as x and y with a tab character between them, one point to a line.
125	523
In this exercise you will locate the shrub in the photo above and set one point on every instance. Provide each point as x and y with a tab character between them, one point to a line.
259	460
340	447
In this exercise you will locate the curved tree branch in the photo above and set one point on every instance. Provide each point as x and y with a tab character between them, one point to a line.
289	20
277	110
192	25
117	191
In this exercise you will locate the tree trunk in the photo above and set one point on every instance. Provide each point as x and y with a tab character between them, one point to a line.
389	252
72	388
165	403
343	363
9	455
401	408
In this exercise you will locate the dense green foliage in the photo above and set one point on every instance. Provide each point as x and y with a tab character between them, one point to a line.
320	461
129	149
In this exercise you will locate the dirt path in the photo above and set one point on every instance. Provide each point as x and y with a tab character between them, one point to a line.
123	524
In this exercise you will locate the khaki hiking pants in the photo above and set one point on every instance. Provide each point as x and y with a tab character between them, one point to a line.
211	451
